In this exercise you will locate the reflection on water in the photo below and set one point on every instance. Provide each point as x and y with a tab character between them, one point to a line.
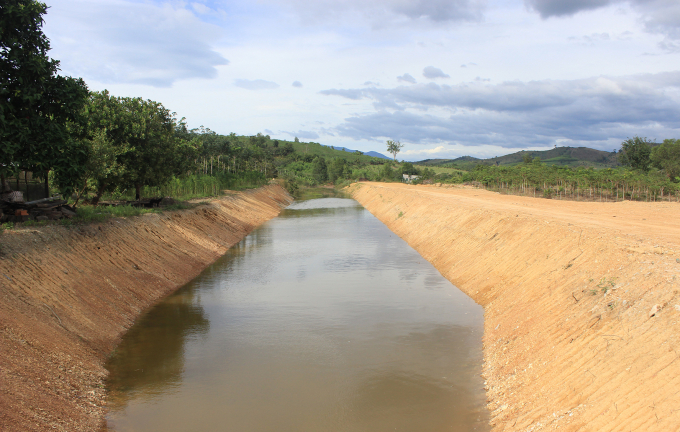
320	320
150	359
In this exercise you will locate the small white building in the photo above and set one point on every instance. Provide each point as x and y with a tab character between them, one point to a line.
409	178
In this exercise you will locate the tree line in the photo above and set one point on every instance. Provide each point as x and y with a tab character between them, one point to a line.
95	143
649	172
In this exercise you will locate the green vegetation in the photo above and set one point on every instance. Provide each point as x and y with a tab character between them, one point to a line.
550	181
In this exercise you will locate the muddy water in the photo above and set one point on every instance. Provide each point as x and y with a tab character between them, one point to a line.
320	320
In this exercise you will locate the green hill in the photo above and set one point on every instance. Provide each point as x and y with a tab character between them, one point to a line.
565	156
316	149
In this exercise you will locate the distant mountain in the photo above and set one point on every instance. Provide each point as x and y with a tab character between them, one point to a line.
565	156
370	153
341	149
376	154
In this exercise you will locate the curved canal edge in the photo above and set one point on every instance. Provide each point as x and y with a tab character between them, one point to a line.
68	294
581	300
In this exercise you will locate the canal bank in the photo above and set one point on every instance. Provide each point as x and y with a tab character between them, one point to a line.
582	303
69	293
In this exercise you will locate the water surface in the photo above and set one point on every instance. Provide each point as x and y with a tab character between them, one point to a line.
320	320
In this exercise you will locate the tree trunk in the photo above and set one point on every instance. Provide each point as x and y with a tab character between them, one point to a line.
47	184
98	195
26	181
138	192
5	187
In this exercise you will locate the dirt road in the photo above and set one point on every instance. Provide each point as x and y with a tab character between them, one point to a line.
582	300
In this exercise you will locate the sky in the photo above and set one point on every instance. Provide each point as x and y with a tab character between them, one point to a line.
447	78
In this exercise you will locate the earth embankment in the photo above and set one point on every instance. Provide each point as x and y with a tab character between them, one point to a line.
68	293
581	300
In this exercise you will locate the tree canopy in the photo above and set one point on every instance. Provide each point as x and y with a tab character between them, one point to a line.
35	102
320	169
635	153
144	143
667	157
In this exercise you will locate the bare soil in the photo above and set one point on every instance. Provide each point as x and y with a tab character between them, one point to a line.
68	294
581	300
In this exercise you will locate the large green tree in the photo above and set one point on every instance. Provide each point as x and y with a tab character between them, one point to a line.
35	102
137	143
635	153
157	153
667	157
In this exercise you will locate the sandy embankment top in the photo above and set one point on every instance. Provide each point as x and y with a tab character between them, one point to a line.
582	300
658	221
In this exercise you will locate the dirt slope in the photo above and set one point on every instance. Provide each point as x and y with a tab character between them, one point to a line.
67	294
581	300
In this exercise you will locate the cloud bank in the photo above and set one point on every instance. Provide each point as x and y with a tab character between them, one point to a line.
594	111
379	11
658	16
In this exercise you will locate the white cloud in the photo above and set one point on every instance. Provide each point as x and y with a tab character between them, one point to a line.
118	41
257	84
406	78
431	72
309	135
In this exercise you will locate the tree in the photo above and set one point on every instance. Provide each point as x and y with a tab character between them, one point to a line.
409	168
386	172
157	154
319	169
106	129
102	165
394	147
336	169
148	144
635	152
35	102
667	157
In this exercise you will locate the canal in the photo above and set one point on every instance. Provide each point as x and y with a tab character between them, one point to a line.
320	320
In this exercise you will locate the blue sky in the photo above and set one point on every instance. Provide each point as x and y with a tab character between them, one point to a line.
445	77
